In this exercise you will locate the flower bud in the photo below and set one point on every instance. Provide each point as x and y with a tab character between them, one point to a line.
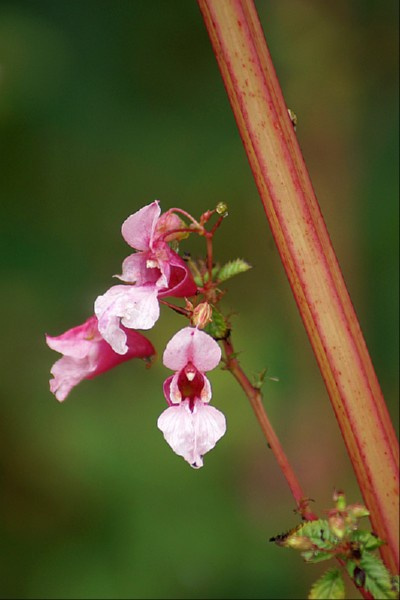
337	525
299	542
202	315
170	222
340	499
222	209
357	511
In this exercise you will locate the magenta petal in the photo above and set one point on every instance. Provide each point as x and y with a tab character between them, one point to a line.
192	345
138	347
138	229
167	389
171	390
180	281
135	307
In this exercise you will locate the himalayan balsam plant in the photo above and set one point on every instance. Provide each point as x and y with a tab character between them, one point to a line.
190	424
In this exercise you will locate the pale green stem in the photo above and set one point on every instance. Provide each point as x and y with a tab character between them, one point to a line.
308	258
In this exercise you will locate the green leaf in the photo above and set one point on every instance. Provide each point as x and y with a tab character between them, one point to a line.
322	538
214	273
232	268
218	328
260	378
201	279
316	556
328	587
319	533
314	539
378	580
367	540
198	280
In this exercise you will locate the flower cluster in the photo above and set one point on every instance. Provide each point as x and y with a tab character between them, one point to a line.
109	337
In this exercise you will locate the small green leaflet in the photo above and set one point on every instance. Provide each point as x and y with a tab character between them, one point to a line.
367	540
328	587
218	329
232	268
200	279
228	270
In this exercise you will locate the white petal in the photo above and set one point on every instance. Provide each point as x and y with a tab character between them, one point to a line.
176	423
67	373
136	307
175	395
209	427
206	392
192	434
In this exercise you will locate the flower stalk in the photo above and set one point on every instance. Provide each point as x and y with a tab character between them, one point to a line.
308	258
255	397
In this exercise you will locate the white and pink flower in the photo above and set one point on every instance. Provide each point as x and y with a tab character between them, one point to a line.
190	426
155	270
87	354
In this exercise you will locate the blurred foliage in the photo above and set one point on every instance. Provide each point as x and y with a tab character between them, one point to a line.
106	105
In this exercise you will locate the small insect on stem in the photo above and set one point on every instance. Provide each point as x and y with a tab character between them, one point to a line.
293	118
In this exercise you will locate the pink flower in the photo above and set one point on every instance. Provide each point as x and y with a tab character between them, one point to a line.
87	354
155	269
155	262
190	426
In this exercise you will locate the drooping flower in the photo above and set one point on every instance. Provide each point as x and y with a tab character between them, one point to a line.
87	354
155	270
190	426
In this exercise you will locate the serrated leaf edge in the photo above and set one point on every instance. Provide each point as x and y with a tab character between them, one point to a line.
329	573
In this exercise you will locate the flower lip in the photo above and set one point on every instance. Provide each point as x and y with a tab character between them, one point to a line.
192	433
190	382
178	388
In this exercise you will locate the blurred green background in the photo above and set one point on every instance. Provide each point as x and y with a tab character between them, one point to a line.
106	105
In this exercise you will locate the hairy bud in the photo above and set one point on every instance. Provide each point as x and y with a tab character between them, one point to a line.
202	315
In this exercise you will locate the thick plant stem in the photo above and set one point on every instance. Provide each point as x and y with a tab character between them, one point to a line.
308	258
255	398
